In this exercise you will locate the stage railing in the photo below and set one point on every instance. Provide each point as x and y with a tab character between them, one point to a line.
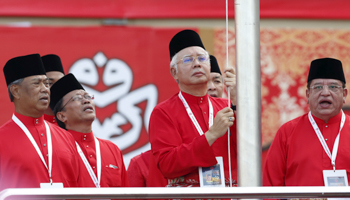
178	193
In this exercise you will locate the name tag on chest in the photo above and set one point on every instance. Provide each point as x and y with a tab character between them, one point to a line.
213	176
51	185
335	178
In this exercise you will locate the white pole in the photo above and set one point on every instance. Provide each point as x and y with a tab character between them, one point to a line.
247	25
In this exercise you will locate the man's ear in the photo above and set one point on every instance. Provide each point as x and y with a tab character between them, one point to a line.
174	73
15	91
61	116
345	94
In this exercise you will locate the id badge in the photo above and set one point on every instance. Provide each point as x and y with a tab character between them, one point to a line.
213	176
49	185
335	178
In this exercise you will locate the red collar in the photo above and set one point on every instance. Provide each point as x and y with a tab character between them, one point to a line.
82	137
193	99
28	121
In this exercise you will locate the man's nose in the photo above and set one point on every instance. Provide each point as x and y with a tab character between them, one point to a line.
45	88
85	100
196	62
211	85
325	91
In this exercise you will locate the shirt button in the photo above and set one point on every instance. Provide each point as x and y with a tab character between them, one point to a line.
47	155
84	135
36	121
87	146
90	156
200	101
201	98
44	145
326	139
84	138
42	134
93	167
326	126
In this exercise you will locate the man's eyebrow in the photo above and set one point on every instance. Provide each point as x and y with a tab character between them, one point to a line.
318	83
39	79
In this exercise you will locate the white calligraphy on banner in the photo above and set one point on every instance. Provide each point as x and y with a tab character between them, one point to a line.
118	76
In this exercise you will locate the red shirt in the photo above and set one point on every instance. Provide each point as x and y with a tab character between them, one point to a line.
50	119
113	173
138	169
20	164
179	149
296	156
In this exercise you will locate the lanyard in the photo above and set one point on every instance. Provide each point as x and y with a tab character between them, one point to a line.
193	118
30	137
88	166
332	156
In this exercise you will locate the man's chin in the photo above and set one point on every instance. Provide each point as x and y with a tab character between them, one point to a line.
43	107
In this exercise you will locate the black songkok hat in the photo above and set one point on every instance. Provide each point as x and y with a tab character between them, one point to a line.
184	39
22	67
214	66
62	87
326	68
52	62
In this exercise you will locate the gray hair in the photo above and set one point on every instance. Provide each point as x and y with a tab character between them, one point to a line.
173	62
57	109
16	82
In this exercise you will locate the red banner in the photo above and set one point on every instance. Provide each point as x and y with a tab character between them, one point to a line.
132	9
127	69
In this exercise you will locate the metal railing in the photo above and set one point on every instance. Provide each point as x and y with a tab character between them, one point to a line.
178	193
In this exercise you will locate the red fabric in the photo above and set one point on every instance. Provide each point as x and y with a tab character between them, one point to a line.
149	72
312	9
110	156
178	148
20	164
296	156
50	118
155	177
138	169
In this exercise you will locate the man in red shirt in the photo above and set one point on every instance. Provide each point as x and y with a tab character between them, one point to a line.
188	130
54	71
138	169
74	109
215	83
34	153
303	152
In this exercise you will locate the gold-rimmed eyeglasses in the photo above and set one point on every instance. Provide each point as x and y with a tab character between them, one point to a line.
190	59
78	97
319	88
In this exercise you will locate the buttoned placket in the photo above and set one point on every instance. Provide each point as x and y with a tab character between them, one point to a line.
38	124
91	160
90	154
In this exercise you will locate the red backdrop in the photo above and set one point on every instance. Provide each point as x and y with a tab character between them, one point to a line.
127	69
312	9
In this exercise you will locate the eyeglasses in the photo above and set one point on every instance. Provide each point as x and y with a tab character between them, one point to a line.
319	88
78	97
189	59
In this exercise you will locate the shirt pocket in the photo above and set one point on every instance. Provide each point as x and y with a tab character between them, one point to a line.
112	175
